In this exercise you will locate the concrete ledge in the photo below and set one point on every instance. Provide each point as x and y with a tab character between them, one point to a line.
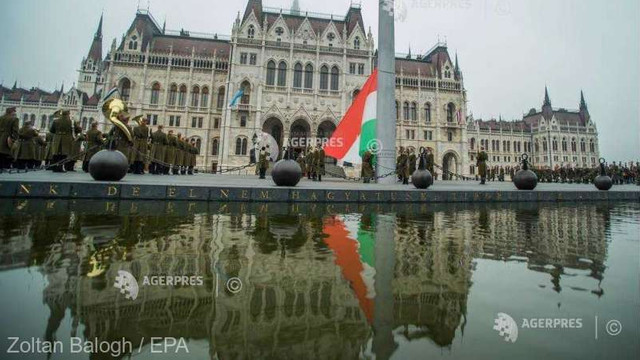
331	194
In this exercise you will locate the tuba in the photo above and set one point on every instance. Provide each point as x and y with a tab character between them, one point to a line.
57	114
138	119
111	109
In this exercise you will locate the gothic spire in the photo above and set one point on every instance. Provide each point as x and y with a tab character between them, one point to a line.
99	31
457	68
547	102
95	52
583	104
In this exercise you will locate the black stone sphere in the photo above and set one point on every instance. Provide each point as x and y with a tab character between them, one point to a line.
108	165
286	173
525	180
603	182
421	179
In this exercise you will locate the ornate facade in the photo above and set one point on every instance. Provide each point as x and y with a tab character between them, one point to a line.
292	74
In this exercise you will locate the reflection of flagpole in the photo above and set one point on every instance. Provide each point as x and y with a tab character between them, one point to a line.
385	257
386	121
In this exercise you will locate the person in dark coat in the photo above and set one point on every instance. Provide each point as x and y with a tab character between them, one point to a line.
62	142
159	143
95	140
25	147
140	146
9	126
263	162
367	166
481	162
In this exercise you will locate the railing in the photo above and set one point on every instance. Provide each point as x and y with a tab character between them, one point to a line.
274	10
302	91
164	60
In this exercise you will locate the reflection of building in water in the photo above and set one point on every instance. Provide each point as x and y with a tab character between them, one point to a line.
294	299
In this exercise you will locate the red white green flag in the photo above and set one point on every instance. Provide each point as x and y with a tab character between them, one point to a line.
357	129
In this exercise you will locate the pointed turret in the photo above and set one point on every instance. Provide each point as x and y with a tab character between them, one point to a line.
547	111
15	85
95	53
254	6
164	25
584	111
295	7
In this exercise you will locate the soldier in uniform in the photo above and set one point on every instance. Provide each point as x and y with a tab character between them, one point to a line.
140	146
47	151
9	126
412	161
62	143
41	146
309	163
263	163
301	161
398	163
76	147
367	166
180	155
170	153
118	140
403	167
159	143
192	159
481	162
25	147
95	140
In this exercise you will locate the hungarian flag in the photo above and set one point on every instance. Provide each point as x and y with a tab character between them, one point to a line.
358	126
353	247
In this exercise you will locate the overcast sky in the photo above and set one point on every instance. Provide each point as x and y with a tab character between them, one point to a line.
508	49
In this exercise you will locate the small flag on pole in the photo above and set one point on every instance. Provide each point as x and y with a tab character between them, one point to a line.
236	97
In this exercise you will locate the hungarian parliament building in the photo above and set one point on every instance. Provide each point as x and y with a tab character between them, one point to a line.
298	72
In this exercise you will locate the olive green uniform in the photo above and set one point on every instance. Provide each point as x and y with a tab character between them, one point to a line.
481	161
412	163
403	167
25	147
367	166
119	141
319	164
95	140
62	142
159	143
263	163
9	126
170	153
140	148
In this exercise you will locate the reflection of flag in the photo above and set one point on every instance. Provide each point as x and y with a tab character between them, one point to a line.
236	97
358	126
353	248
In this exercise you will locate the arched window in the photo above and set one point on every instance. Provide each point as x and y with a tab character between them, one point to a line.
356	43
282	74
537	146
544	145
241	146
355	94
155	93
173	93
125	89
220	101
427	112
405	110
84	123
324	78
564	144
246	93
133	43
583	145
91	120
450	111
43	121
297	76
335	78
204	99
33	120
195	96
198	144
554	144
308	76
397	110
574	146
592	146
182	95
251	32
472	143
215	146
414	111
271	73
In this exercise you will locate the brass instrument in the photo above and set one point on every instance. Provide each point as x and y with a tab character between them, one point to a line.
138	119
57	114
111	109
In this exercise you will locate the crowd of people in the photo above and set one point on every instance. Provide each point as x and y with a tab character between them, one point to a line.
65	144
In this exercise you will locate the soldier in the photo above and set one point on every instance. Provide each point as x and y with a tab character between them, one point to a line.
319	162
501	178
62	143
140	146
412	161
180	155
9	126
367	166
118	140
95	140
159	143
76	147
309	163
481	162
431	163
25	147
47	150
403	167
170	153
301	161
192	158
398	163
41	147
263	163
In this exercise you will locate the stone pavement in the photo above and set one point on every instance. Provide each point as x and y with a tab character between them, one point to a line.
45	184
